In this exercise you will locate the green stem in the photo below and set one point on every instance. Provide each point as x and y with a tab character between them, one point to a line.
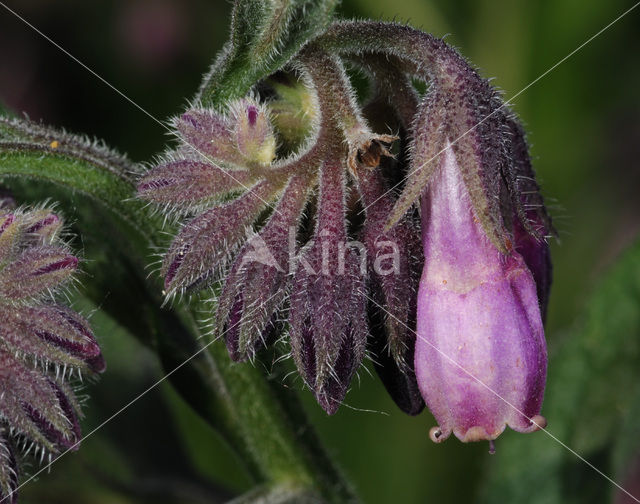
264	38
422	54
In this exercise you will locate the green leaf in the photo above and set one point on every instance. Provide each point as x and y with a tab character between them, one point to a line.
589	395
30	150
264	37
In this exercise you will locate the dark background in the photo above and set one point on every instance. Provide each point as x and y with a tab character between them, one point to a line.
583	120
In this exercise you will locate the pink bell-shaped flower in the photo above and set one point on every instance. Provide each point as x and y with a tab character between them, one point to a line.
480	355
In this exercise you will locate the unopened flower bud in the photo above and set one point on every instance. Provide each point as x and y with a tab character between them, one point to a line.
207	135
533	227
393	286
294	111
253	132
187	185
42	224
35	271
256	285
205	242
41	345
328	328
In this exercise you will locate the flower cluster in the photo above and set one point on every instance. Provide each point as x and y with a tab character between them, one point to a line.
448	298
43	345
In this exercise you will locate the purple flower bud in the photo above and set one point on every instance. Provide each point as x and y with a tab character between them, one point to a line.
393	289
209	134
36	271
34	406
253	132
328	328
206	241
43	225
257	283
537	256
187	185
531	225
480	355
41	345
219	178
53	334
9	234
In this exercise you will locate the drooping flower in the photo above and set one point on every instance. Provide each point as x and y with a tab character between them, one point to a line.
43	344
480	355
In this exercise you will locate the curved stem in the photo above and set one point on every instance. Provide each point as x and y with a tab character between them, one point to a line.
422	54
475	112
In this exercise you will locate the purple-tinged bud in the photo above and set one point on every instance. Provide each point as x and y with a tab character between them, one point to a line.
41	345
42	225
36	271
35	406
65	435
5	221
209	134
480	355
8	470
97	364
253	132
69	439
187	185
537	256
328	328
257	282
52	334
205	242
394	262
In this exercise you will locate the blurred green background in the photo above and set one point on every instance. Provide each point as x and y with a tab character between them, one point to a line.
583	120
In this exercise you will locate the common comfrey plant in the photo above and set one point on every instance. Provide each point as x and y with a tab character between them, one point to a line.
45	347
403	226
324	242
